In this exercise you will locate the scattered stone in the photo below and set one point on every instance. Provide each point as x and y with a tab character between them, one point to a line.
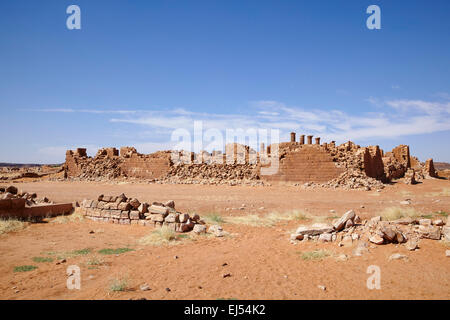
430	232
412	244
144	287
398	256
376	239
199	228
216	230
339	225
315	229
226	275
322	287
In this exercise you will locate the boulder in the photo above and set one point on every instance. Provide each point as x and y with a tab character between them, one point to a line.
429	232
376	239
446	232
339	225
170	204
315	229
143	208
135	203
11	189
153	209
198	229
412	244
216	230
389	233
325	237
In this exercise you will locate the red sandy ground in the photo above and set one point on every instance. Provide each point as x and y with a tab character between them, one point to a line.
262	262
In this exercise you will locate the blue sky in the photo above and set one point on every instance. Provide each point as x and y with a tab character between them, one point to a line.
138	70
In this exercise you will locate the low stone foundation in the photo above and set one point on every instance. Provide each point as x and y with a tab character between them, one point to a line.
130	211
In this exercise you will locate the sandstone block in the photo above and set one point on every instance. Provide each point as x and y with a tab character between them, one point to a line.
157	217
429	232
124	215
143	208
134	215
198	228
135	203
158	209
339	225
315	229
124	206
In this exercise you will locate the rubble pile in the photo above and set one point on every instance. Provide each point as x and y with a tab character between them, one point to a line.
11	192
212	174
123	210
354	179
350	228
101	168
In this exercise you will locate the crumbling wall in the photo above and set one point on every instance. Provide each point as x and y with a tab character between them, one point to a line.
348	165
304	163
151	166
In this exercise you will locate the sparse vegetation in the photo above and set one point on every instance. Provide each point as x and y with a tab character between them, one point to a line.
214	218
394	213
163	236
315	255
269	219
9	225
24	268
114	251
42	259
442	213
118	284
95	261
81	252
74	217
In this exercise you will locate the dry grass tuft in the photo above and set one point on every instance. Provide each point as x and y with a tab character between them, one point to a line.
213	218
315	255
269	219
9	225
74	217
394	213
118	284
163	236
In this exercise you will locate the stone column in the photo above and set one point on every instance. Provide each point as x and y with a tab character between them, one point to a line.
268	150
317	140
261	147
292	136
302	139
309	139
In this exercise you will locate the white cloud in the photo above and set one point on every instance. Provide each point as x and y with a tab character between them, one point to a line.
393	118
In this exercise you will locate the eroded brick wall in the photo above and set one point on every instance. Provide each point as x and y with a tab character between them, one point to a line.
306	163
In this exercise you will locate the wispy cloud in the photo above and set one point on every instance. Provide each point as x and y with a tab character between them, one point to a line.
391	119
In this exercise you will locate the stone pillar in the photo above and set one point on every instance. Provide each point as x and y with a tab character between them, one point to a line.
317	140
309	139
325	145
292	136
268	150
261	147
302	139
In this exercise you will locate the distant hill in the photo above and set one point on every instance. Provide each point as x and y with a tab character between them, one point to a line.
26	165
441	165
19	165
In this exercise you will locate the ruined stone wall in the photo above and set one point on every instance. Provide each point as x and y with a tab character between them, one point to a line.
346	165
146	166
304	163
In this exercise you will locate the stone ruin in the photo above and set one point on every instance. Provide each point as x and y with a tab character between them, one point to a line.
19	204
130	211
350	228
324	164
